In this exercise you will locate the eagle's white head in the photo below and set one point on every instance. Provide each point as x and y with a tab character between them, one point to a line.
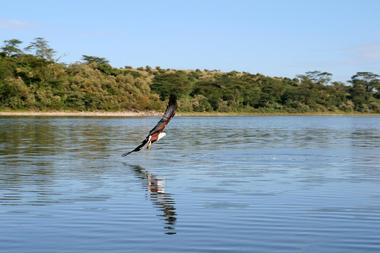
161	135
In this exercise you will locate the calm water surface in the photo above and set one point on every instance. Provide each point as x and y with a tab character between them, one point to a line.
226	184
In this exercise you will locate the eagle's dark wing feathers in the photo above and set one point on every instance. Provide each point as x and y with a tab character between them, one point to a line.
138	148
168	115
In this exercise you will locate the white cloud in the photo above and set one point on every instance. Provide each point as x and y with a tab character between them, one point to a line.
369	52
366	55
13	24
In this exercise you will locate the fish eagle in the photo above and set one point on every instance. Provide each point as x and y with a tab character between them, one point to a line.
157	132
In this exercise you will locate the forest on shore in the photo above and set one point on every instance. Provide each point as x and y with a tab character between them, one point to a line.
32	78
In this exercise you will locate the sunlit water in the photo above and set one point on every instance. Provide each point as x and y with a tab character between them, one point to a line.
225	184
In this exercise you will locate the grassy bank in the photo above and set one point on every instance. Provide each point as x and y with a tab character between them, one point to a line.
79	114
156	114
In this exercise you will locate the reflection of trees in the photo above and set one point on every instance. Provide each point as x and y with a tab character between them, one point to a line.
365	138
39	137
161	199
25	145
34	150
92	139
27	137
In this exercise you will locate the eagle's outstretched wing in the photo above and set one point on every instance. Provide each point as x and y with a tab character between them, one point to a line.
138	148
168	115
160	126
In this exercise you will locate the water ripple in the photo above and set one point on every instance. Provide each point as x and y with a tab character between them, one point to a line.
214	184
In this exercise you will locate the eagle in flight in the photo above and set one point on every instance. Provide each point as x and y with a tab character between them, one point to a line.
157	132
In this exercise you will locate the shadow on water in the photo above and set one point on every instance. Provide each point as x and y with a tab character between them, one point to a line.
162	200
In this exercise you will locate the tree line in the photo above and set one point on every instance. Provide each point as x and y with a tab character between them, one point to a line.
32	78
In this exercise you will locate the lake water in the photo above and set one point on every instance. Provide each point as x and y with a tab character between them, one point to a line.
213	184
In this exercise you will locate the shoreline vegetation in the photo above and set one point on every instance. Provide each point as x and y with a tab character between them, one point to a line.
133	114
34	82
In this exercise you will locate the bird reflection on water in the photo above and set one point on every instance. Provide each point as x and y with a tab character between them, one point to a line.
162	200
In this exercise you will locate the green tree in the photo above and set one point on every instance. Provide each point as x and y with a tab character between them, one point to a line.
100	63
41	49
370	80
316	77
359	96
93	59
11	47
177	83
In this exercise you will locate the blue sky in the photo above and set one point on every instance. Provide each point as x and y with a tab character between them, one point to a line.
277	38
